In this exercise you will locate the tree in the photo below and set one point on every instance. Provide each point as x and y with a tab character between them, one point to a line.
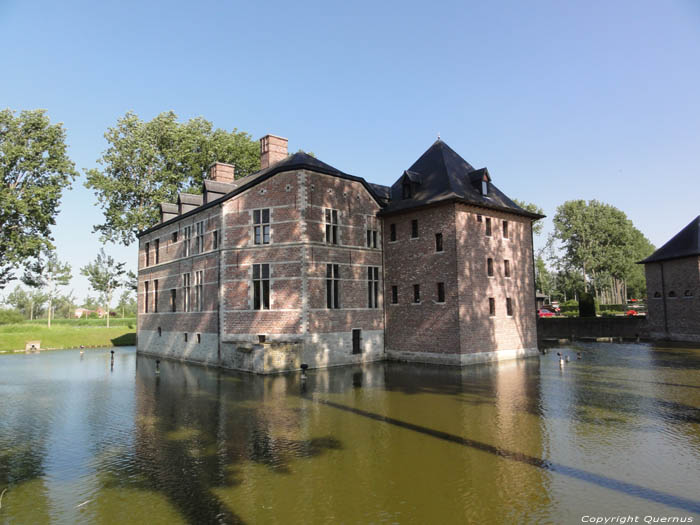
35	169
147	163
105	276
47	272
544	281
532	208
127	304
31	304
64	305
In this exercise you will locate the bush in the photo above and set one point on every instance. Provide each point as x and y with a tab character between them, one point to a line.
586	305
10	317
613	307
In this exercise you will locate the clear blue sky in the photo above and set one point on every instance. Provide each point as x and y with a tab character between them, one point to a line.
560	100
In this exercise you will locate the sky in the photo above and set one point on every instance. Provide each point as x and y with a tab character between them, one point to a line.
560	100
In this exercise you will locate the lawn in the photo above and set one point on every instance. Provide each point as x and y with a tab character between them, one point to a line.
68	333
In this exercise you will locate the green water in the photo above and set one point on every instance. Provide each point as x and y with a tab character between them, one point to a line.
615	433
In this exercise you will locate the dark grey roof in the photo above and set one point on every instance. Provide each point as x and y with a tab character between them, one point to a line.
383	192
298	161
440	174
190	198
168	207
218	186
686	243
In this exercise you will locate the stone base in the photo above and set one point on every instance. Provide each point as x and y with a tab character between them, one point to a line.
460	359
261	358
677	337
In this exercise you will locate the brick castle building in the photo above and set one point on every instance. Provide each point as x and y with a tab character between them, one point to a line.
302	263
673	286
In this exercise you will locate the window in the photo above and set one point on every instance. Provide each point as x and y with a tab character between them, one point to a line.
489	267
416	293
157	250
261	226
186	281
155	295
394	295
145	297
506	268
479	218
406	190
492	307
331	226
484	187
160	332
148	254
173	299
509	307
440	292
688	293
671	293
657	295
438	242
488	227
198	297
174	237
188	236
199	338
356	337
199	237
185	337
215	240
392	229
371	238
373	287
261	286
332	286
414	228
505	229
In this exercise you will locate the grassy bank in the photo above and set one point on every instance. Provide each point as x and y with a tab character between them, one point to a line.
68	333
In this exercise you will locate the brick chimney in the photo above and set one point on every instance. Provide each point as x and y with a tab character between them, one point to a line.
272	149
221	172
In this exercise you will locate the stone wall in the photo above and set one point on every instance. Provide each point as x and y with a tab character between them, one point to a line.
585	327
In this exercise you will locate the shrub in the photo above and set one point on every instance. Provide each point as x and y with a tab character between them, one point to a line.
10	317
586	305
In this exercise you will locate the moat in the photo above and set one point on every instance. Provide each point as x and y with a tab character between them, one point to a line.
616	433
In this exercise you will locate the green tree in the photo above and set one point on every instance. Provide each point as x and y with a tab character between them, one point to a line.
90	303
544	280
147	163
532	208
127	304
31	304
105	276
34	171
64	305
46	272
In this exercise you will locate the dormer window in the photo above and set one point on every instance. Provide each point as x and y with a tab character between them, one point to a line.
406	187
484	186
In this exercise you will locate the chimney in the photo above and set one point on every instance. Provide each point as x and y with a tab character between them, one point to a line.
272	149
221	172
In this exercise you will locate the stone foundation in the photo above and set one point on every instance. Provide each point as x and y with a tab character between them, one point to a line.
460	359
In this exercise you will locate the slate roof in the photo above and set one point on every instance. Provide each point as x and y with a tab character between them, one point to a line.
297	161
441	175
686	243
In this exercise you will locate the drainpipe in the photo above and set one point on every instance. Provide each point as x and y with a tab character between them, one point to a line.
220	261
534	278
663	296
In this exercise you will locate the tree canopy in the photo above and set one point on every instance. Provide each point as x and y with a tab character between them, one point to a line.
105	276
532	208
35	169
47	273
147	163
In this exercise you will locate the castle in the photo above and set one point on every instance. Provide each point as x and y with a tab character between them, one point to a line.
300	263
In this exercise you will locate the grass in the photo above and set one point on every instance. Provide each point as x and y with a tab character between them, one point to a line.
68	333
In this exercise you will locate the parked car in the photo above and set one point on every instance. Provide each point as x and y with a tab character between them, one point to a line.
631	312
555	306
545	312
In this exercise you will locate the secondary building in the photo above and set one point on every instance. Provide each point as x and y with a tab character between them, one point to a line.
673	286
303	263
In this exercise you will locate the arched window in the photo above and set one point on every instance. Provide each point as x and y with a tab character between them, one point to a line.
657	295
688	293
671	293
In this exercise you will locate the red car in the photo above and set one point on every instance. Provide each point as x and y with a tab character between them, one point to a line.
544	312
631	312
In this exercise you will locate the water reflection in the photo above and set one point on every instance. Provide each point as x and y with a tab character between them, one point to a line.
520	441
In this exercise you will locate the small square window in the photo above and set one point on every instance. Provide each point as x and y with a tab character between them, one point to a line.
174	237
479	218
199	338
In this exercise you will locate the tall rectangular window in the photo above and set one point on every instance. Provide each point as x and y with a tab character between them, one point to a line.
199	237
215	240
145	297
198	288
373	287
371	238
492	307
438	242
414	228
261	286
394	295
356	338
173	240
155	295
173	300
157	250
506	268
332	286
489	267
148	254
505	229
509	307
488	226
416	293
331	217
440	292
392	230
186	283
261	226
188	237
